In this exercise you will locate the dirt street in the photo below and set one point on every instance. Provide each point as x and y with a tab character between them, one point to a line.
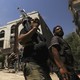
5	75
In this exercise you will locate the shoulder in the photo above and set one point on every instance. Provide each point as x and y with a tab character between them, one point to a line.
41	36
54	41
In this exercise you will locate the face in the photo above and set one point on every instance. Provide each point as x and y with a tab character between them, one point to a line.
59	31
35	23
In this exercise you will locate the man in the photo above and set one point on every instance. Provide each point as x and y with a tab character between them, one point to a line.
12	60
35	52
61	55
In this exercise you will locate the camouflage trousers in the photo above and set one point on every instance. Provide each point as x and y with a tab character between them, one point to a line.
32	71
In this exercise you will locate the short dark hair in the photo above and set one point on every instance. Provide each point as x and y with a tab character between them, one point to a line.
56	27
36	20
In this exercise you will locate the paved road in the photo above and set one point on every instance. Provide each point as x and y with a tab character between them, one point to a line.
5	75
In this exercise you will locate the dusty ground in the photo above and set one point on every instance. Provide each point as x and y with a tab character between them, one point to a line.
54	76
5	75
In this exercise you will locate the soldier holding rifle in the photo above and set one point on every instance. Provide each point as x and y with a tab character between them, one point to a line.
35	54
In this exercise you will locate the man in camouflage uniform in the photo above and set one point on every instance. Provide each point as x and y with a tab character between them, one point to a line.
35	52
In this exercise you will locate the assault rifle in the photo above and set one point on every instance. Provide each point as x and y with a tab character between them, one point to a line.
25	18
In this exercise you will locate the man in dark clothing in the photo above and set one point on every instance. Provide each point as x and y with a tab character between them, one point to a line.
35	52
61	55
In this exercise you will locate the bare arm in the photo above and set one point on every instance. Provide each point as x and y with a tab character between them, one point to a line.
27	36
58	61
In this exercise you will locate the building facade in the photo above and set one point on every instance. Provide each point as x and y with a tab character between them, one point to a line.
7	34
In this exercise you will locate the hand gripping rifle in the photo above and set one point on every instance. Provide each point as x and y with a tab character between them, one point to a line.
25	17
